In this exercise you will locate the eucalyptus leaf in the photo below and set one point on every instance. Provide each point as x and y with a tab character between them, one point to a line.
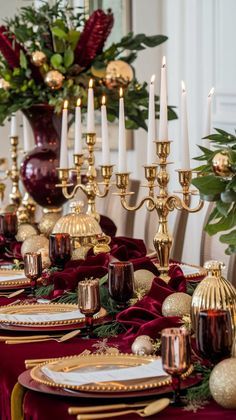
68	57
56	60
59	33
23	60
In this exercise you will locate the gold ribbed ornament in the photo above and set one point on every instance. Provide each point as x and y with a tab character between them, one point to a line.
222	383
214	292
177	304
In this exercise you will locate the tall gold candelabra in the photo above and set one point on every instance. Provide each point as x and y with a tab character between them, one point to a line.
91	188
14	174
163	202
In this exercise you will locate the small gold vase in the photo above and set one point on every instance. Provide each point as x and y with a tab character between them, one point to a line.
214	292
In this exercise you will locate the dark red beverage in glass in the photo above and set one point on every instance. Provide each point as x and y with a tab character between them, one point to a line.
8	225
59	249
121	281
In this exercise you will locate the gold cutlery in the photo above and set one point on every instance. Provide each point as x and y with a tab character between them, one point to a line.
39	339
12	294
150	409
27	337
109	407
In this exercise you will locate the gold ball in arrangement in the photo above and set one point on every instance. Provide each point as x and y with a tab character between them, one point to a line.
143	279
221	164
34	243
4	84
223	383
54	79
46	262
142	345
38	58
48	222
118	74
25	230
177	304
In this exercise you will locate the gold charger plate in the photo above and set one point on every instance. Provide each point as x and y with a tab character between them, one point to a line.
101	362
8	272
36	308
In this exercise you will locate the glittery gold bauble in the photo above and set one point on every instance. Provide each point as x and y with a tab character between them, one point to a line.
4	84
25	230
54	79
80	252
46	262
38	58
223	383
177	304
118	74
48	222
142	345
143	279
221	164
34	243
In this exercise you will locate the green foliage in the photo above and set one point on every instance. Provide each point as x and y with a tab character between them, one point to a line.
199	394
221	190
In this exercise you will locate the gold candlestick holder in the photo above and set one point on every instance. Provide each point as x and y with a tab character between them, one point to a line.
162	202
92	188
14	174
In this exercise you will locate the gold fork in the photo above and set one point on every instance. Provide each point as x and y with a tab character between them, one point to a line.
12	294
61	339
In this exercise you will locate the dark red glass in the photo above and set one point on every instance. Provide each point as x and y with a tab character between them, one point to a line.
121	281
214	336
59	249
8	225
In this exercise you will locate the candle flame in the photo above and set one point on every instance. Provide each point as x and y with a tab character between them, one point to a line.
153	78
78	103
121	92
66	103
163	61
90	83
211	92
103	100
183	86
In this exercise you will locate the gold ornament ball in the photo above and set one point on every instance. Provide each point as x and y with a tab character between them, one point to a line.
46	262
143	279
25	230
142	345
38	58
54	79
34	243
4	84
48	222
223	383
118	74
221	164
177	304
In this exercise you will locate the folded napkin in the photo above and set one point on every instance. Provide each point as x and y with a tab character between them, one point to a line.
79	377
145	317
41	317
11	277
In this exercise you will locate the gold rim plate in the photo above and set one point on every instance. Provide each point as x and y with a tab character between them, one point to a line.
9	272
98	361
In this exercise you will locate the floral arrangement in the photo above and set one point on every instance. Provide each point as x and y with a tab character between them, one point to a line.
217	183
49	54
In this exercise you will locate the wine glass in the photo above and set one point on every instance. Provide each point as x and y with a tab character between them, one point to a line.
214	334
89	301
33	268
121	282
8	225
175	353
59	249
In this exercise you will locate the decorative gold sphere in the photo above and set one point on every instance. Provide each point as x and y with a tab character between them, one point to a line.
223	383
142	345
54	79
48	222
221	164
177	304
46	262
4	84
34	243
118	74
143	279
38	58
25	230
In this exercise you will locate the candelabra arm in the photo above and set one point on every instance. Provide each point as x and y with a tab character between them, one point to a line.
175	202
126	206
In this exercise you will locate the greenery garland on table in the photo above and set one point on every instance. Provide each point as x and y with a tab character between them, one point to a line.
49	54
217	183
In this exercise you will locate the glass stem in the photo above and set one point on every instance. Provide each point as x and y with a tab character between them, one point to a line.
89	324
176	388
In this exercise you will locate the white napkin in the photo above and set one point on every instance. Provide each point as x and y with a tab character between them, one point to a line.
13	277
40	317
77	377
189	270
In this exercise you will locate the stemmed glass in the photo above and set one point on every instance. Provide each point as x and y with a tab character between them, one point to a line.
121	282
89	301
214	334
175	353
33	268
8	225
59	249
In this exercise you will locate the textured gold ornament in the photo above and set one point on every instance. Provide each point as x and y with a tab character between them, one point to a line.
80	253
221	164
25	230
118	74
4	84
142	345
34	243
102	245
214	292
54	79
223	383
48	222
38	58
143	280
46	262
177	304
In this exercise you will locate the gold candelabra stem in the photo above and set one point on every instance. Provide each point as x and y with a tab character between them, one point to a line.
162	202
14	174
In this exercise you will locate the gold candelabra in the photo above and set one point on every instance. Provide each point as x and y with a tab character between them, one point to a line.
163	202
14	174
91	188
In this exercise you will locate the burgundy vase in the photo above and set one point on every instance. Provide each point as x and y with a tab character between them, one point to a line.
38	168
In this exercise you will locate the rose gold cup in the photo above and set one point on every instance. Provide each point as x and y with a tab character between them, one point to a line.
33	268
89	301
175	352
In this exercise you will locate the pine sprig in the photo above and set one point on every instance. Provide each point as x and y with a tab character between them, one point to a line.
109	330
200	393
